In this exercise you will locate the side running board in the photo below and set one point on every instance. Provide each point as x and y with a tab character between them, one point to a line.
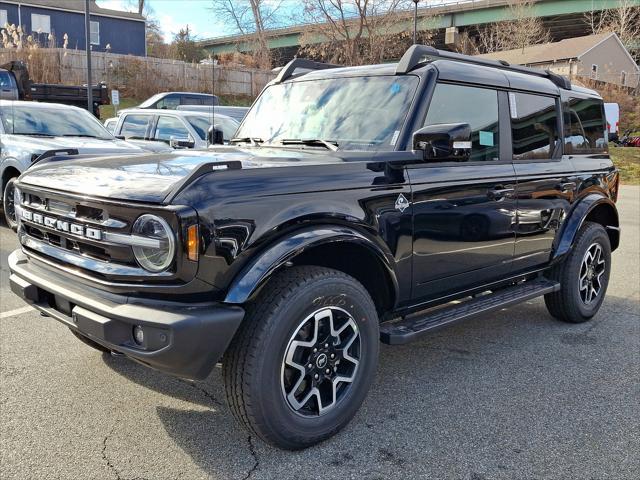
413	327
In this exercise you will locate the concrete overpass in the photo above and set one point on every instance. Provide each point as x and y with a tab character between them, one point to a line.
564	19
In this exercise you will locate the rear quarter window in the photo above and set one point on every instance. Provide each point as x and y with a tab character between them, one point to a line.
584	126
534	126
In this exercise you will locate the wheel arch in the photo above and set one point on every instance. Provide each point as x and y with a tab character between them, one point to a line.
338	247
592	208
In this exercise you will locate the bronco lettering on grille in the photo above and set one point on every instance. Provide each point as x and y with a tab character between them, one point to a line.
62	225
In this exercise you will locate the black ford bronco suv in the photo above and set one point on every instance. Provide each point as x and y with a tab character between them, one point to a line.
355	205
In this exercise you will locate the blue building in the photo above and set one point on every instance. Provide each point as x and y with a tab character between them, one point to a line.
124	32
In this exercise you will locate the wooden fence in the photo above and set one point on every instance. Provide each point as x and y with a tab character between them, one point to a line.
138	77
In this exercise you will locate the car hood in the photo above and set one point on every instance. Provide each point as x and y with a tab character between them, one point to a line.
153	177
36	145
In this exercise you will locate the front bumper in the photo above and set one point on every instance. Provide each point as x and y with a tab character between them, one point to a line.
182	339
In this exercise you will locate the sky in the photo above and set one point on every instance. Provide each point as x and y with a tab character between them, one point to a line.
172	15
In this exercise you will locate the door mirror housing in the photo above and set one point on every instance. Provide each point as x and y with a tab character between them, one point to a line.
444	141
181	142
215	136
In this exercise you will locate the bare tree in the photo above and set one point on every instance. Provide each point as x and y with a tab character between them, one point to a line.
355	32
521	30
252	18
623	20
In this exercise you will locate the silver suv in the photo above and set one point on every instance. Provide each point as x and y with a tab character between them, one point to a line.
29	129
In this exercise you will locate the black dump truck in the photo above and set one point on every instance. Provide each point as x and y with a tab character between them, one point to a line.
16	85
356	205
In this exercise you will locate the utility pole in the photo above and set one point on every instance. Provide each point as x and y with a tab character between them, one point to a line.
415	21
87	32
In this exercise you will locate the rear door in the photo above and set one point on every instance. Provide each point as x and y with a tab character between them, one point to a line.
464	212
546	180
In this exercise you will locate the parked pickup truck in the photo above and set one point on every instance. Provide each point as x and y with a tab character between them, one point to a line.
354	205
16	85
31	130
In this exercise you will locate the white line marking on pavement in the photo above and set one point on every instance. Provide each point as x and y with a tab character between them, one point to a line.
17	311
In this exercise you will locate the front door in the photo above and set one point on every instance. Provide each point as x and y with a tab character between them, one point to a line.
464	212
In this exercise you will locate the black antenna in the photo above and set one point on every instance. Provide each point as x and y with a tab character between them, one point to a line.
213	90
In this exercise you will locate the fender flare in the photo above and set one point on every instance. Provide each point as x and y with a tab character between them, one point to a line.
576	218
262	266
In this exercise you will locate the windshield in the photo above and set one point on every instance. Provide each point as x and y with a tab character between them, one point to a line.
359	113
28	120
201	125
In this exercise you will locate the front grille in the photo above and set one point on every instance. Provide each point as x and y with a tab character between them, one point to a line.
92	236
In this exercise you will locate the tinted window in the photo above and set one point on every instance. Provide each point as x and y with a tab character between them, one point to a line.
5	81
534	126
476	106
171	127
170	102
135	126
584	126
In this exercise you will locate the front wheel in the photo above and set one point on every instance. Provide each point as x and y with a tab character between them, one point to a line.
305	357
8	203
583	276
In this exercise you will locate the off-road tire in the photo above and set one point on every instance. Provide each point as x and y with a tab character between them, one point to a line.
252	365
566	304
89	342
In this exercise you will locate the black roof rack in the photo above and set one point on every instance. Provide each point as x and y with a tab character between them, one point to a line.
300	63
419	54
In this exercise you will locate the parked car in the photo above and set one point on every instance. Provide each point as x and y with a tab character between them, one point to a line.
110	124
15	84
30	129
185	129
237	113
171	100
354	205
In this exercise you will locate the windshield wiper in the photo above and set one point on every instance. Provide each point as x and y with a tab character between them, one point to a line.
328	144
255	141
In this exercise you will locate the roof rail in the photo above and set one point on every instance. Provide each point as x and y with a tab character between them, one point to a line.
300	63
419	54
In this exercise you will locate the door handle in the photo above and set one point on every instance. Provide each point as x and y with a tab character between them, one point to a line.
499	192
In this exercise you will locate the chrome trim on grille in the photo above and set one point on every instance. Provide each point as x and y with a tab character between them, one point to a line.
80	231
87	263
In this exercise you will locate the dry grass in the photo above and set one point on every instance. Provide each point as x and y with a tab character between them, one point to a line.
627	159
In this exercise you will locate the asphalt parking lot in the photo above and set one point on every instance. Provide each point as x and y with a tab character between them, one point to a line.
505	396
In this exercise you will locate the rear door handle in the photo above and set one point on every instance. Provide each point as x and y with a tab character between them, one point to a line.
499	193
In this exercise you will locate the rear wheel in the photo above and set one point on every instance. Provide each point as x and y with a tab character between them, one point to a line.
301	366
583	276
8	203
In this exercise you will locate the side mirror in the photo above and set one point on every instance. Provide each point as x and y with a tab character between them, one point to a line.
215	136
444	141
181	143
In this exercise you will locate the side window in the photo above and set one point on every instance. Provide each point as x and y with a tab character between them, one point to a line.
135	126
169	127
584	126
192	101
5	80
534	126
476	106
170	102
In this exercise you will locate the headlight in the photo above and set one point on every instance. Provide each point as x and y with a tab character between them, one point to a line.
157	256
